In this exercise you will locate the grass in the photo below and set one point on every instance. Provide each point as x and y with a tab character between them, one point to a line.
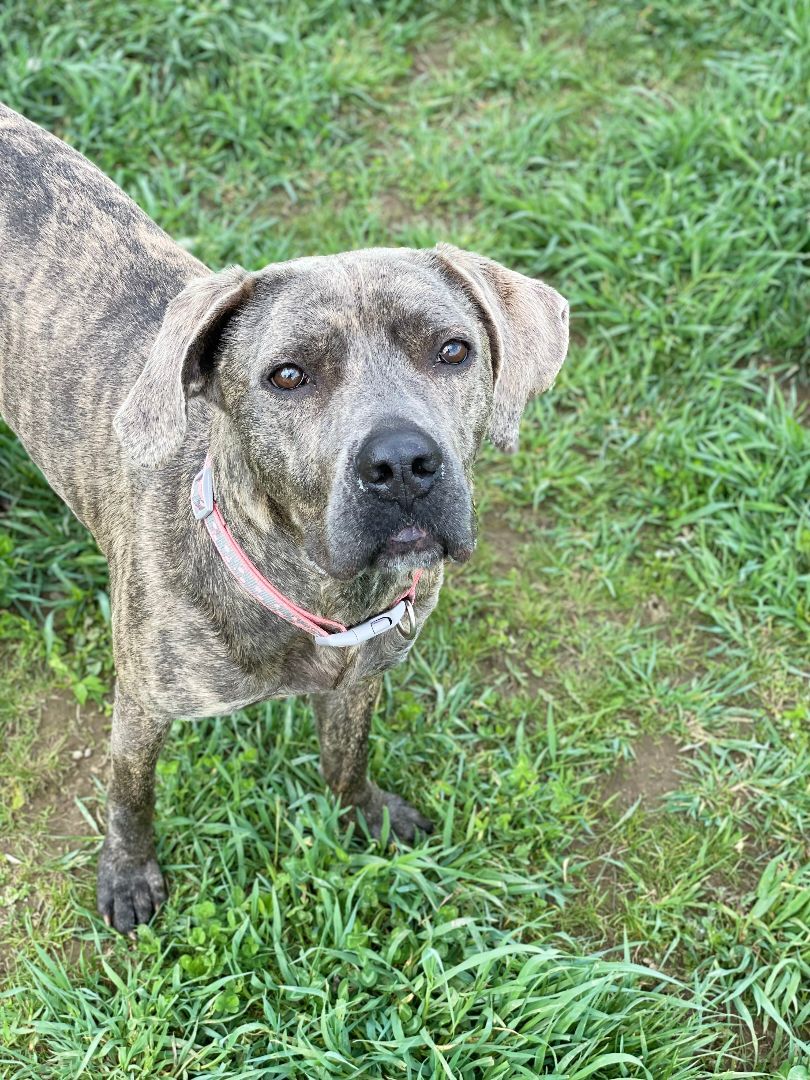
640	600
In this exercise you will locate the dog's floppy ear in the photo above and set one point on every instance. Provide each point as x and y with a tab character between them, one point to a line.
527	324
152	421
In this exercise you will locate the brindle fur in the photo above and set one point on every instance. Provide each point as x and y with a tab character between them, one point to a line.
123	359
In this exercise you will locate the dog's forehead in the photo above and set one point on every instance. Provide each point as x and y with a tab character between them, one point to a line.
361	291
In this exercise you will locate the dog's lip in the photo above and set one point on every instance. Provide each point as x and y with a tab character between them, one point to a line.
410	534
410	538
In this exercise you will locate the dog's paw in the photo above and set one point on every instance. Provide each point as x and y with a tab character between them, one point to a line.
128	893
406	821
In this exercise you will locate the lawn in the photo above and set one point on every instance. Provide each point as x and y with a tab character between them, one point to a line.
608	714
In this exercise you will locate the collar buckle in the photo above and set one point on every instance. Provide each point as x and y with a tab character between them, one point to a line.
371	628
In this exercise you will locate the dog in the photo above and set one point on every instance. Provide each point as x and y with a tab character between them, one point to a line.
276	464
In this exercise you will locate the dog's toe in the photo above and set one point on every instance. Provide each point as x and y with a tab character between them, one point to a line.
406	821
129	893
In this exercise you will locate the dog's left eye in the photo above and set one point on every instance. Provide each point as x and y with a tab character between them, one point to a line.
288	377
453	352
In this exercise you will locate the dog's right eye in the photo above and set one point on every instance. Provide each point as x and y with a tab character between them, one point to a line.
453	352
288	377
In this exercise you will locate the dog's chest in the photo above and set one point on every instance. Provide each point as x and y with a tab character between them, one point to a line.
311	668
195	676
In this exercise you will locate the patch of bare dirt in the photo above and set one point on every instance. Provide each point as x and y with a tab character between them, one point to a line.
394	208
397	212
504	542
71	747
400	213
77	736
655	611
431	58
654	772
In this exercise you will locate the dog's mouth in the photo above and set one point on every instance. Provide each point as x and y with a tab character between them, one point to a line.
410	548
375	534
408	539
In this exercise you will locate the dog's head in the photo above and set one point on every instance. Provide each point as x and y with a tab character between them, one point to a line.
358	387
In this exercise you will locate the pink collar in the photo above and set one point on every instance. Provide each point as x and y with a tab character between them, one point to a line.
324	631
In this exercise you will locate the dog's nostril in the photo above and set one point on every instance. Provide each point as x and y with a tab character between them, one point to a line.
424	466
381	473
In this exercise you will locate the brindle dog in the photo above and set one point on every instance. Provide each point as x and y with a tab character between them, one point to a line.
343	400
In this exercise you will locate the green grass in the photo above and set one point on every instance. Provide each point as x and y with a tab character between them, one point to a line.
644	569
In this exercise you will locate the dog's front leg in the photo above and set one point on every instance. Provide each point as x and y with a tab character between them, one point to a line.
344	720
130	884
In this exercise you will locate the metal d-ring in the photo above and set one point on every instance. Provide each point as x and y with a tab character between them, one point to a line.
409	614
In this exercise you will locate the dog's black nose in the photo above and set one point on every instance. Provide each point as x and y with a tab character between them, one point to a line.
400	463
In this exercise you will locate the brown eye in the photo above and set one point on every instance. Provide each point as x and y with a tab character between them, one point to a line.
454	352
288	377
